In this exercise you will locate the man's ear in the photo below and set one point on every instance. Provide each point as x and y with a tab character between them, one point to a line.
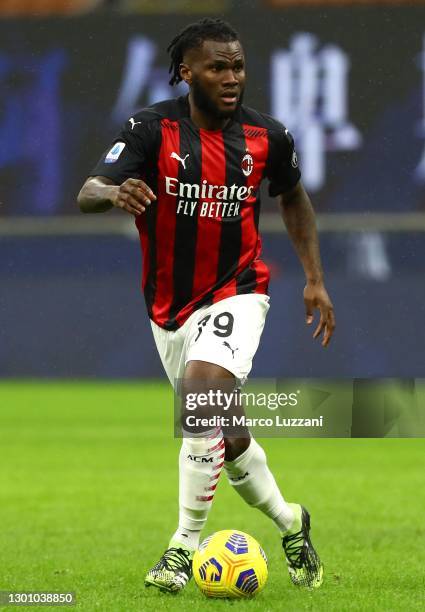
185	73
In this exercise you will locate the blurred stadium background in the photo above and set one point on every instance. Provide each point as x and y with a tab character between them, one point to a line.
348	79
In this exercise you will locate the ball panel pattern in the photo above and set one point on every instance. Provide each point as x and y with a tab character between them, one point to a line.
231	564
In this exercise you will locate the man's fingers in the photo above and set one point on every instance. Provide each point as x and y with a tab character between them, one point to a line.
134	206
326	336
329	329
309	316
144	192
141	185
320	327
317	297
327	323
131	205
137	187
133	211
148	191
138	194
133	196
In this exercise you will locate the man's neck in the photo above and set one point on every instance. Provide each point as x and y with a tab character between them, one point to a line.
205	121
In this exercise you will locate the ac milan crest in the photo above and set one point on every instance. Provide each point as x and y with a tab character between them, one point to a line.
247	164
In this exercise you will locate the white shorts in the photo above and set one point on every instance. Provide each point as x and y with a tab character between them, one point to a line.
226	333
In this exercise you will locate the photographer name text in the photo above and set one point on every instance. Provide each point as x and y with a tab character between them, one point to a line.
244	421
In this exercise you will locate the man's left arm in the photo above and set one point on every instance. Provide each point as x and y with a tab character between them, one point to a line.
299	218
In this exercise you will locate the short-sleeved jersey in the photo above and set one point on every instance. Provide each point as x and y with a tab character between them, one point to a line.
200	239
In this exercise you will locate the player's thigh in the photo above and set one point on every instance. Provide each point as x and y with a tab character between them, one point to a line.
170	348
228	333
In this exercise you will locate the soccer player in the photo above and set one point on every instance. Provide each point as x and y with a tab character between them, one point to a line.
189	170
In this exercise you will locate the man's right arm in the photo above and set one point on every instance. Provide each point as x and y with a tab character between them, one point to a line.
99	194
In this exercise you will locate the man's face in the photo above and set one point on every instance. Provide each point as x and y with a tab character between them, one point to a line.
217	77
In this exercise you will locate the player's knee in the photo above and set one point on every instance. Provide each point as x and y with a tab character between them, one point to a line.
203	389
234	447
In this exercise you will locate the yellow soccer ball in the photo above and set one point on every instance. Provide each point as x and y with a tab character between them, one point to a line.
230	563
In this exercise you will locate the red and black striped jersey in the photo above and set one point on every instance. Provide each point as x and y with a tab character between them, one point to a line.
200	239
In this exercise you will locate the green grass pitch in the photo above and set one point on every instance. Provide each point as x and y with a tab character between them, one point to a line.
88	500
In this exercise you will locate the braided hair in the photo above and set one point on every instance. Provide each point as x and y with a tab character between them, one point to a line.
192	37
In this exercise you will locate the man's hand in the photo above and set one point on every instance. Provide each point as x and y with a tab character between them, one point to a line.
133	196
316	296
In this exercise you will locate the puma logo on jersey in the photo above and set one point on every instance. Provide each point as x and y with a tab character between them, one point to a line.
133	123
182	161
226	344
